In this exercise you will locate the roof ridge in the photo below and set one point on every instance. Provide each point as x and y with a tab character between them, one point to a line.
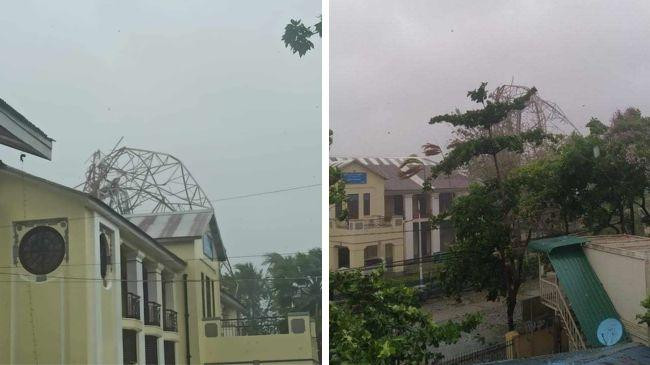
196	211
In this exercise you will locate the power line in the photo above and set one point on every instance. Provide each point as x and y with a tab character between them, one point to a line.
84	217
266	192
167	260
87	279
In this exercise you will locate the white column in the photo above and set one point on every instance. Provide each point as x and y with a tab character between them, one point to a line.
134	285
116	275
170	293
154	281
408	226
435	233
154	278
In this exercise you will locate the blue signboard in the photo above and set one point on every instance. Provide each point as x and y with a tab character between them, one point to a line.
610	331
355	177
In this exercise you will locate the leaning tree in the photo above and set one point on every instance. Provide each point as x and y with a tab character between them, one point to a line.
491	234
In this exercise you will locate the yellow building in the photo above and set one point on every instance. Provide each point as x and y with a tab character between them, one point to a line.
388	214
81	283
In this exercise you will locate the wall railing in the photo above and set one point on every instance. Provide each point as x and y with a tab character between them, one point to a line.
254	326
152	313
170	320
131	305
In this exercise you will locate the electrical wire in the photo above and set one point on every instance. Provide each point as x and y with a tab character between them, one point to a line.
300	187
87	279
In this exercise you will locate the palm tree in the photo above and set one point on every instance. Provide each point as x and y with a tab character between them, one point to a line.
250	287
296	283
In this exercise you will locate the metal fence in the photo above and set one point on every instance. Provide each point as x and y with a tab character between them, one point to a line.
254	326
170	320
492	353
131	306
152	313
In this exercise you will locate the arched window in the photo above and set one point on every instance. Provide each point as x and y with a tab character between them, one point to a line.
104	255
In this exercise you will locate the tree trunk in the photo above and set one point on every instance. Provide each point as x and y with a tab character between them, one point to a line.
632	223
511	304
621	212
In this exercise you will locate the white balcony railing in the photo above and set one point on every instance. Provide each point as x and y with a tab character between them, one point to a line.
552	296
367	223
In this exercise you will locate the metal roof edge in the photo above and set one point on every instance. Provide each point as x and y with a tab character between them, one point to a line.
546	245
21	118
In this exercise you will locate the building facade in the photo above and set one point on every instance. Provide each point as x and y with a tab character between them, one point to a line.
83	284
388	214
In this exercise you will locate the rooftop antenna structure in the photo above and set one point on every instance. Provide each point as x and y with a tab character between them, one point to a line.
132	180
539	113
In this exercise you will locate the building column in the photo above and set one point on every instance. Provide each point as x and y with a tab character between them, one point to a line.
170	294
435	233
408	227
154	287
356	258
134	285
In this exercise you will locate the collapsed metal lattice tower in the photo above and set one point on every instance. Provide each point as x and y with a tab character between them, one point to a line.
538	113
132	180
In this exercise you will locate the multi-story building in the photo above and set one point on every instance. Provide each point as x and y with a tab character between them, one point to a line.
388	214
81	283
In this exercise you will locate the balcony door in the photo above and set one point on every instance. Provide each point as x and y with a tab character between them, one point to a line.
170	353
353	206
129	347
151	350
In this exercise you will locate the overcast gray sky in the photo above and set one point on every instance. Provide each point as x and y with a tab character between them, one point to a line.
395	64
209	82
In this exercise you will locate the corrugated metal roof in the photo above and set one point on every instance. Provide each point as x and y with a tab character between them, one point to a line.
587	297
16	114
389	169
579	282
173	224
192	224
547	245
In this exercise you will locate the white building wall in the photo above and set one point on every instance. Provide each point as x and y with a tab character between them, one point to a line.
408	226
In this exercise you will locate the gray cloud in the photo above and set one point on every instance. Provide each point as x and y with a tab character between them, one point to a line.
394	64
207	81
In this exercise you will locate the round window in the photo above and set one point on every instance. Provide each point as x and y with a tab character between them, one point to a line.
41	250
103	255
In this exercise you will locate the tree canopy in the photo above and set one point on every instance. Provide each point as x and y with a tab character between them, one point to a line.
297	35
374	322
491	233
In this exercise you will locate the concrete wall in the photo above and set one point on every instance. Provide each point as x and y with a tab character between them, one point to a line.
62	317
625	280
531	344
292	348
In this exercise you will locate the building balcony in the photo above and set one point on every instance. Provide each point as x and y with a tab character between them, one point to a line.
152	314
131	305
254	327
170	320
369	223
275	339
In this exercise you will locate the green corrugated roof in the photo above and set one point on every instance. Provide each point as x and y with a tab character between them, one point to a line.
579	282
547	245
